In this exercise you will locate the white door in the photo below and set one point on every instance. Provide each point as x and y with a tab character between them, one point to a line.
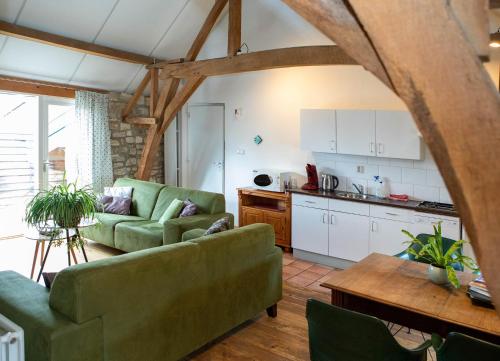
356	132
397	135
310	229
205	148
318	130
386	236
349	236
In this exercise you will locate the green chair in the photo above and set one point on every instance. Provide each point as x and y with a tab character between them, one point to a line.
337	334
447	243
459	347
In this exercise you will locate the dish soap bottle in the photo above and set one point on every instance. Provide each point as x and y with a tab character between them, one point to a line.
379	187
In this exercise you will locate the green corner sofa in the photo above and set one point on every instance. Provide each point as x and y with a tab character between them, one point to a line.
141	230
156	304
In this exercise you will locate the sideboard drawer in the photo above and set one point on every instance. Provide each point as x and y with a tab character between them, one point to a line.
309	201
392	213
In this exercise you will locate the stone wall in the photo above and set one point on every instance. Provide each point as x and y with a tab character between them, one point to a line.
127	141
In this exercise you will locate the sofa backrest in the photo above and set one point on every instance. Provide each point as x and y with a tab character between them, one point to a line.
207	202
144	195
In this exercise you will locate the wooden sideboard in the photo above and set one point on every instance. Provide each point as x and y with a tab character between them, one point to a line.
274	208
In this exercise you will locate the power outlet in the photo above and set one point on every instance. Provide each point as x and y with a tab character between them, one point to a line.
360	169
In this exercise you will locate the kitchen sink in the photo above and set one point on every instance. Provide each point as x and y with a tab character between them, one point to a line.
349	195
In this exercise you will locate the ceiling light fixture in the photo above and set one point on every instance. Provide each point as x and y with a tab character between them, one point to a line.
495	39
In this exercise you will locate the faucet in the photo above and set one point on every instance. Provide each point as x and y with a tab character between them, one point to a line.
359	188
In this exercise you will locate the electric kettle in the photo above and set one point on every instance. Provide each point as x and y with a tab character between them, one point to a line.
329	182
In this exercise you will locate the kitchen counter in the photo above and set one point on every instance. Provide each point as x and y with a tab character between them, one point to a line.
377	201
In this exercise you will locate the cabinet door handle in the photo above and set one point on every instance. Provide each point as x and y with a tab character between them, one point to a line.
392	214
332	219
374	226
380	148
310	202
324	216
372	147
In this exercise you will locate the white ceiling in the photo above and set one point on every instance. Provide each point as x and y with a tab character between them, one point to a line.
158	28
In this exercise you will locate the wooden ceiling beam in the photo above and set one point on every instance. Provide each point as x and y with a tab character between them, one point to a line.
234	28
259	60
39	87
43	37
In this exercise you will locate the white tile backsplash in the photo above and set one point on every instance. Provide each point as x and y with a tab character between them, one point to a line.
426	193
415	176
420	179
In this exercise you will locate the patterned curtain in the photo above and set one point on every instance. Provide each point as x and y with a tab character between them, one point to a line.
91	148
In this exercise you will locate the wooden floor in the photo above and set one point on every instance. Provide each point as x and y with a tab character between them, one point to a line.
263	338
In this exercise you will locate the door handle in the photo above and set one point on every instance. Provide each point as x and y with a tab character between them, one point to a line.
372	147
380	148
332	219
324	215
392	214
46	165
374	226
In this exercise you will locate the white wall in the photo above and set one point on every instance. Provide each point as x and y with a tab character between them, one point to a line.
270	102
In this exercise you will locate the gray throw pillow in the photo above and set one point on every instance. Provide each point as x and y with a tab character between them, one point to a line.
190	209
116	205
218	226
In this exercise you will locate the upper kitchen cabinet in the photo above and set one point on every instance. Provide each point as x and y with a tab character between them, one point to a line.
356	132
318	130
397	135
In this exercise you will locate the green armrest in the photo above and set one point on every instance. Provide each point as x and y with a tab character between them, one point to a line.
193	234
49	335
174	228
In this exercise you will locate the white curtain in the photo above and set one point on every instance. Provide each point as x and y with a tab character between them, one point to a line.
90	148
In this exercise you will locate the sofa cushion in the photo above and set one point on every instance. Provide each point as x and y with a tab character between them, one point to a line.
193	233
207	202
134	236
103	232
144	196
172	211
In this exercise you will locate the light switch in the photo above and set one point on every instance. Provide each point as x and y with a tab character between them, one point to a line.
361	169
240	151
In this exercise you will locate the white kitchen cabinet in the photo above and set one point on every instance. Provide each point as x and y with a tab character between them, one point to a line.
318	130
349	235
310	229
386	236
356	132
396	135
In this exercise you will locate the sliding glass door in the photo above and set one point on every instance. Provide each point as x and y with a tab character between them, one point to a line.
33	139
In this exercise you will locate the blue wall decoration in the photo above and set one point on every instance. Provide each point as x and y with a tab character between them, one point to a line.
258	139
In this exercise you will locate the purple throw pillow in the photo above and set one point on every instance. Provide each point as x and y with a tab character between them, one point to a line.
189	209
116	205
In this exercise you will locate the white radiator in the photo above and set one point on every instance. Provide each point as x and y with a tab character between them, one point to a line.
11	340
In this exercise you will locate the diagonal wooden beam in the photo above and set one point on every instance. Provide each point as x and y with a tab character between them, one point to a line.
138	92
140	121
26	33
205	29
153	96
234	27
333	18
454	104
259	60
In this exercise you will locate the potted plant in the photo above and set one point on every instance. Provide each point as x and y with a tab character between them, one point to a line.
65	205
440	259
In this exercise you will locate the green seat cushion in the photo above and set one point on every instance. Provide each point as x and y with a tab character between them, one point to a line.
172	211
144	195
135	236
193	233
103	232
206	202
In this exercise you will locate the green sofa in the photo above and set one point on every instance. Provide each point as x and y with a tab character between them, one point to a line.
156	304
141	230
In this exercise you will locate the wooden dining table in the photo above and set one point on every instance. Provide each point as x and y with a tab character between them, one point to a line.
399	291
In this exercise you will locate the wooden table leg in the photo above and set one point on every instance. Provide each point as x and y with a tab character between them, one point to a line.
73	254
34	259
43	251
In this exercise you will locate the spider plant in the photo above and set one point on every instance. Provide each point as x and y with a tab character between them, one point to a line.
65	205
433	253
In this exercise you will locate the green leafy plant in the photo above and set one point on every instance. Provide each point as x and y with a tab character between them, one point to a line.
433	253
65	205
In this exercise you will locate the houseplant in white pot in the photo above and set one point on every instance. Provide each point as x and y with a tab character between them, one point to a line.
439	257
